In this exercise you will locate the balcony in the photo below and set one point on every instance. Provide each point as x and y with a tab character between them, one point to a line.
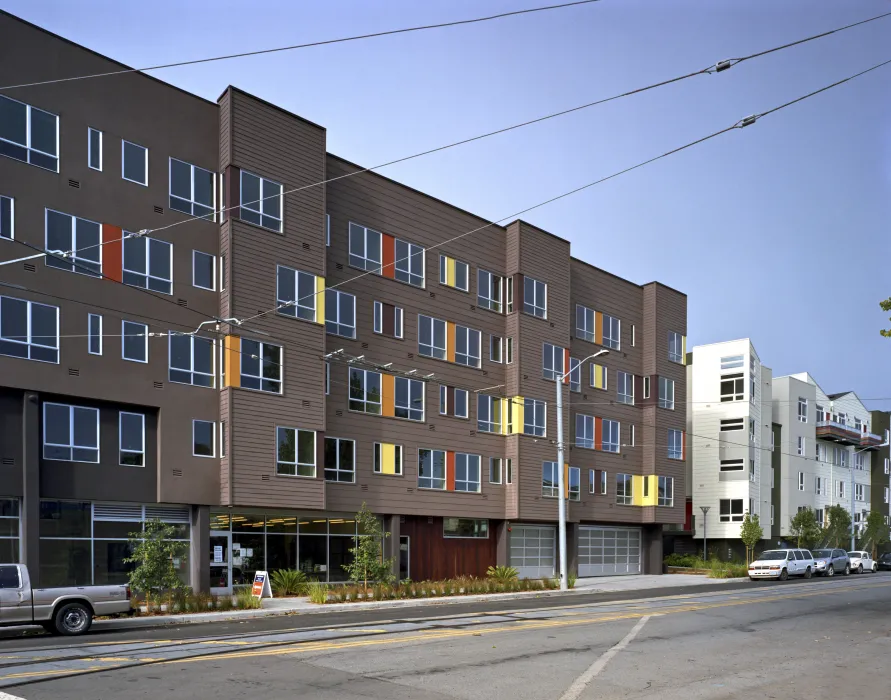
870	441
838	432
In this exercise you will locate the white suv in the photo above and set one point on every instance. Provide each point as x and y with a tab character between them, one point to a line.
782	563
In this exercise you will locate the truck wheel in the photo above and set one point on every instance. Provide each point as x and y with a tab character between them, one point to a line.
72	619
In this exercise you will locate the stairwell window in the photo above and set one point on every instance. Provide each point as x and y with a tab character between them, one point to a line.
134	163
295	452
535	297
261	201
675	444
29	134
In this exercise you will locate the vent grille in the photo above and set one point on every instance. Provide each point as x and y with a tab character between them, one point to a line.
159	210
485	373
409	490
525	376
306	403
472	307
365	346
363	487
74	183
159	385
338	413
72	372
265	477
111	511
485	497
401	519
29	267
306	246
177	472
431	427
182	302
169	514
552	325
411	356
8	461
339	266
433	295
472	433
430	520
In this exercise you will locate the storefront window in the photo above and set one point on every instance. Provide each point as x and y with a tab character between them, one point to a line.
65	519
340	557
9	530
248	556
65	563
314	556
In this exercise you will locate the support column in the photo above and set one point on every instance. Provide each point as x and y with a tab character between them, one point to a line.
29	551
651	549
199	559
502	543
391	543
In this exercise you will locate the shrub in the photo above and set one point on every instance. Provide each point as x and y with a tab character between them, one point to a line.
503	573
245	600
688	560
288	582
318	592
571	579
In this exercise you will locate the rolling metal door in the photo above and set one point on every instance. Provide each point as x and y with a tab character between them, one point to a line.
532	550
608	551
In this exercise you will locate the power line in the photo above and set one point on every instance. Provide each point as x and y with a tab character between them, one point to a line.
294	47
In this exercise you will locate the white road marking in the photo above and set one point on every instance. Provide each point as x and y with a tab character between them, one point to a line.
580	683
7	696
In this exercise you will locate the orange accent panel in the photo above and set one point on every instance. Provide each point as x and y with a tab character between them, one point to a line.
566	365
684	445
232	360
450	341
566	480
388	400
112	252
598	328
388	256
450	471
598	433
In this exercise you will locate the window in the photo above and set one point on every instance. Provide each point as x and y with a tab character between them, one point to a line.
611	437
732	387
327	229
29	330
398	322
858	460
584	431
29	134
612	332
509	471
327	378
431	469
510	351
552	362
549	480
295	452
365	248
191	360
731	510
496	348
94	331
488	414
7	218
733	362
378	317
204	270
733	465
340	313
467	346
465	528
467	472
134	341
841	489
488	291
296	296
802	410
632	435
801	481
859	492
887	494
409	263
70	433
729	425
409	400
534	417
261	366
624	493
432	337
134	163
598	376
461	403
461	273
665	497
81	237
625	387
646	387
584	322
387	459
203	438
148	263
818	485
603	481
843	457
495	470
340	460
9	575
575	375
820	517
752	470
666	393
94	149
535	297
131	438
222	273
365	391
801	448
752	429
192	189
675	444
261	201
675	347
575	484
222	438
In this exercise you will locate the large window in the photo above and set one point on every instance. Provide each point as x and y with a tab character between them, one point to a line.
134	163
666	393
535	297
432	337
732	387
675	347
204	270
549	480
584	431
488	413
625	387
387	459
489	290
296	452
192	189
584	323
624	489
148	263
296	295
611	439
552	362
365	391
191	360
340	313
666	491
29	134
431	469
461	279
731	510
467	472
365	248
802	411
467	346
261	201
80	237
612	332
70	433
131	439
675	444
134	341
261	366
534	415
409	263
340	460
465	528
29	330
409	400
9	529
7	218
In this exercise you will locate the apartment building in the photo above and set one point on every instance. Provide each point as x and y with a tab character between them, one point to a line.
881	464
254	377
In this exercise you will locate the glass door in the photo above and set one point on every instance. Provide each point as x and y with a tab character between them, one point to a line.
220	562
404	558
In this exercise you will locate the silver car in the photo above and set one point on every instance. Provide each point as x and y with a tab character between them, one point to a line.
829	562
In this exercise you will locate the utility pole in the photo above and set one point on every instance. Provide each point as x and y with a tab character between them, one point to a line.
561	481
704	510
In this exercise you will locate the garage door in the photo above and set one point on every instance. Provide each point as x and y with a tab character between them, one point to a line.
532	550
608	551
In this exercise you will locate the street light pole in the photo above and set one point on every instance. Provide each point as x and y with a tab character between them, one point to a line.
704	510
561	482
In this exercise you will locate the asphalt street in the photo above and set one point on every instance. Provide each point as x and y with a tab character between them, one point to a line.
772	640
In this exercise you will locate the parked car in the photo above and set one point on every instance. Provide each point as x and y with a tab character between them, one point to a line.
862	561
782	563
68	610
829	562
884	562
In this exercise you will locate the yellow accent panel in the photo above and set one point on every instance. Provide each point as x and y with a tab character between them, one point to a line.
566	480
599	376
450	341
638	498
388	398
500	419
320	300
450	271
683	349
519	407
388	458
232	360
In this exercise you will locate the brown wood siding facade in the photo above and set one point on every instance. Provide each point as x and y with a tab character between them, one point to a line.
434	557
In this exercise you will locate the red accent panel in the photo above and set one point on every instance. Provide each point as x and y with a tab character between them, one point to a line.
688	516
450	471
112	252
684	445
598	433
566	365
388	256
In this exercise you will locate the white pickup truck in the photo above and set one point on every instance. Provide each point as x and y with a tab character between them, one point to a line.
67	611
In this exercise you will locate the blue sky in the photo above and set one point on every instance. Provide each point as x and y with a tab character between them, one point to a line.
778	232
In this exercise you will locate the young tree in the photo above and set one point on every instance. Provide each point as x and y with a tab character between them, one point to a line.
875	533
153	551
837	532
805	529
886	306
368	555
751	534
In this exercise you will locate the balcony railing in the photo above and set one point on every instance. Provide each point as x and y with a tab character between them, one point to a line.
870	440
838	432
